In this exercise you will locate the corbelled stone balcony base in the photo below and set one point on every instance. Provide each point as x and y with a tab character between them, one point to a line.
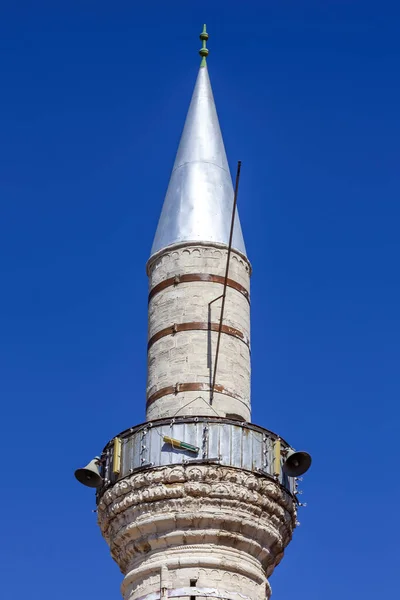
196	530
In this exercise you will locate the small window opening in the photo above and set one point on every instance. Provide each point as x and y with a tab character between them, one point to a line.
193	583
234	416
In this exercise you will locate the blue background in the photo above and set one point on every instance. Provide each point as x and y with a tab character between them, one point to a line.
93	101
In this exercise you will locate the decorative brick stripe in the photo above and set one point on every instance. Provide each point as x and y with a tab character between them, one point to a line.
198	277
191	387
197	326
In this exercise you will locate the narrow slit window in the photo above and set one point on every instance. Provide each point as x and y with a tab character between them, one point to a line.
193	583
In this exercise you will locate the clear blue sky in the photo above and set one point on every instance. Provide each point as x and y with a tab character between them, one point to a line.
93	100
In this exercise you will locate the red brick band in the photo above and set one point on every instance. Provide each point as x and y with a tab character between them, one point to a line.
198	277
197	326
191	387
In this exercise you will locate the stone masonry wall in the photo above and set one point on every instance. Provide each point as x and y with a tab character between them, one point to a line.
188	356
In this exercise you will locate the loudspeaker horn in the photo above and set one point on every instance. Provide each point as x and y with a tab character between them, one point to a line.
296	463
90	475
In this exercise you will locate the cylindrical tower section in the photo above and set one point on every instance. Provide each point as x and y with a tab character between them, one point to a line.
186	283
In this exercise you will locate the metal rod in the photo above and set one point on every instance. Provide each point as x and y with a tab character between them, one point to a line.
226	279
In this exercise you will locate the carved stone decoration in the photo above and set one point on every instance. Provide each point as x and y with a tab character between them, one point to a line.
219	527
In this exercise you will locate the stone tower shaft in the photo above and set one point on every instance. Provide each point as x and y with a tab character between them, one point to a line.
186	284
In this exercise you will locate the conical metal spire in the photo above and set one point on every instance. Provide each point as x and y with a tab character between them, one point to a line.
199	200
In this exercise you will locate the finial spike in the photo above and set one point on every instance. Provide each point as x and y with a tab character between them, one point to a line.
203	50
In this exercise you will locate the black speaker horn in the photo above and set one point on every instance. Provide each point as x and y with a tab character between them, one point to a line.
296	463
90	475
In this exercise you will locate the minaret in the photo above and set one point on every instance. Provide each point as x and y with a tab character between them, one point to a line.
197	501
187	271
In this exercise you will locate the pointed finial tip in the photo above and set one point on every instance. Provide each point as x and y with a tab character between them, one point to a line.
203	50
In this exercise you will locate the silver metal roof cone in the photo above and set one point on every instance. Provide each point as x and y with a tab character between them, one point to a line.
199	200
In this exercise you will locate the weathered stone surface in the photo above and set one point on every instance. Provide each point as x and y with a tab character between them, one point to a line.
189	356
221	527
